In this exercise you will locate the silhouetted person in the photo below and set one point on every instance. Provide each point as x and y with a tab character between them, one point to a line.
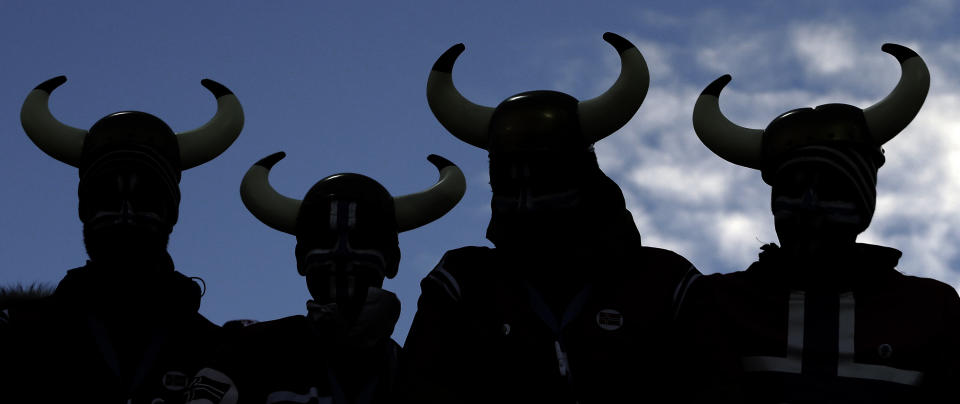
569	307
123	328
346	229
821	318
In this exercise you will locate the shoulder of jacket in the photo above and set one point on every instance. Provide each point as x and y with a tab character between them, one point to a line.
702	291
925	286
294	323
465	258
458	267
671	268
664	258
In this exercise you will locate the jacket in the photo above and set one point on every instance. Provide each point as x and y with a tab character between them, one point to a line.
864	333
100	339
483	333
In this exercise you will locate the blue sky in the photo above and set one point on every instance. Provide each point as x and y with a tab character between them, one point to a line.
341	88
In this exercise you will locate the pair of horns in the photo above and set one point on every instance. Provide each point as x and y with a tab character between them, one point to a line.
412	211
885	119
599	117
65	143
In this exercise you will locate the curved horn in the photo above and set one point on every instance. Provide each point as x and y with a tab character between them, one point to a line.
415	210
732	142
266	204
462	118
888	117
60	141
201	145
604	114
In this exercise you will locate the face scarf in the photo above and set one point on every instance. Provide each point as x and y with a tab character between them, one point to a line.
376	320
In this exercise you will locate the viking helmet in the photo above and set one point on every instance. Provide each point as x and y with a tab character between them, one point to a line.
351	203
538	120
72	145
831	124
130	143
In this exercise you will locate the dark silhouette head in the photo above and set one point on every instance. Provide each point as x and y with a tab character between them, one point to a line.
547	188
346	238
130	165
831	124
539	120
822	162
347	225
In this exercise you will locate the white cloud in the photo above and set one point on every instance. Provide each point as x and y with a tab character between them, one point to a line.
658	59
674	182
737	53
824	48
918	207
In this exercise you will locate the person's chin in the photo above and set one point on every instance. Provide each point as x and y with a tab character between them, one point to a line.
124	243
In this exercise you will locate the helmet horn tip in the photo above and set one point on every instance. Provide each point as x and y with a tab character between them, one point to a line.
218	90
269	161
49	85
618	42
444	63
900	52
717	86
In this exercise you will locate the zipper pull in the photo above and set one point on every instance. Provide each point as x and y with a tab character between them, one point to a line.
561	359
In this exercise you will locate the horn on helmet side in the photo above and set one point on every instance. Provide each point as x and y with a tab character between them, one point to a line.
462	118
418	209
608	112
264	202
892	114
60	141
732	142
65	143
203	144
